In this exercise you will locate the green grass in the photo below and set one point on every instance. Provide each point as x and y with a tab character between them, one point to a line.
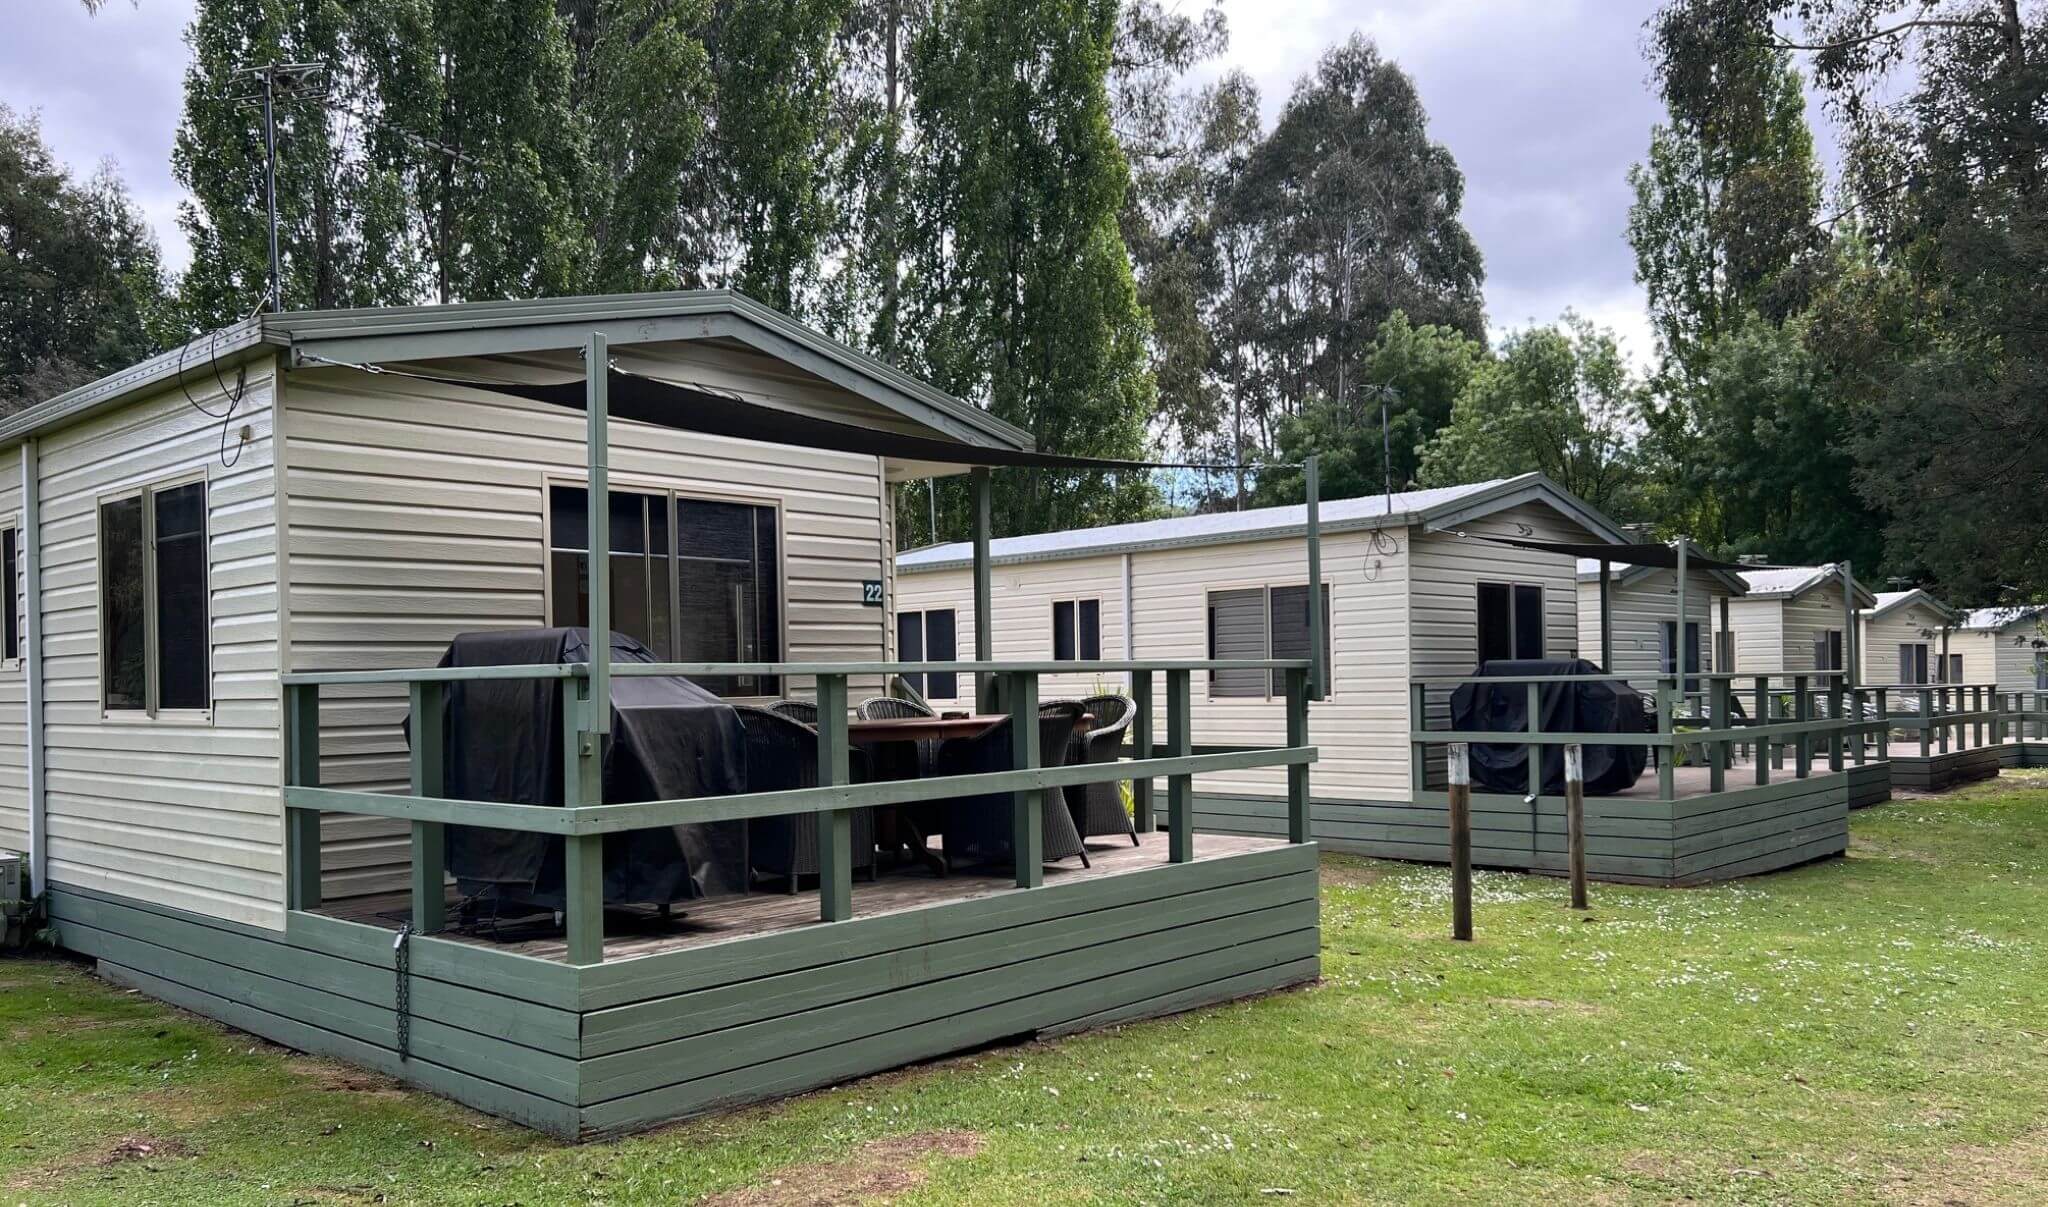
1868	1029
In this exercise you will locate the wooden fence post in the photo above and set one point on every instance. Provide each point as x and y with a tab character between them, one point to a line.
1027	820
835	826
582	854
1180	789
1575	819
302	769
1802	712
1298	827
1143	816
429	842
1461	841
1718	752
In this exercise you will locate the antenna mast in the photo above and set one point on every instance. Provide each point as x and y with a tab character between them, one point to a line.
274	82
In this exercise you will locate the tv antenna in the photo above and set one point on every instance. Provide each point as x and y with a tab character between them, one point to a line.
1386	440
270	84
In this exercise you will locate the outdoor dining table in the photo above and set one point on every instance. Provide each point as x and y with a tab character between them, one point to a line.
896	829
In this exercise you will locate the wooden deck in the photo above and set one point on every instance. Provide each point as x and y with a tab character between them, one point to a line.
629	934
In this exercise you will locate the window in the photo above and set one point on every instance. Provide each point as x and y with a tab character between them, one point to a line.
694	580
1289	607
2041	672
1667	663
10	627
1259	623
1827	649
154	647
1510	621
1076	630
1913	662
929	637
1955	668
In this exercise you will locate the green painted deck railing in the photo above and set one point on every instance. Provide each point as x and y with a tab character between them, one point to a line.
1806	714
2024	716
583	819
1943	716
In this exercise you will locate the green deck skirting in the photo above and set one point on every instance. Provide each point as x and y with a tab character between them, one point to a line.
1940	772
1742	832
2029	753
629	1043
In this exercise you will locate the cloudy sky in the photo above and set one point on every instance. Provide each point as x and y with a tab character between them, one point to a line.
1543	102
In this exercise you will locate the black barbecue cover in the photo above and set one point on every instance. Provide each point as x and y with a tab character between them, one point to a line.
1609	706
670	739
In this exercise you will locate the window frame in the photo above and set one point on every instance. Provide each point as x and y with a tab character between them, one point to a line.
152	712
1266	588
1514	645
638	484
16	657
1079	647
922	681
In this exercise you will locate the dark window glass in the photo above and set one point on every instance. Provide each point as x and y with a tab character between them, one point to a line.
1089	621
728	593
1529	622
1667	660
639	564
910	646
1496	623
1237	629
1955	668
9	545
1827	650
1913	662
124	638
1290	630
1063	631
181	637
939	647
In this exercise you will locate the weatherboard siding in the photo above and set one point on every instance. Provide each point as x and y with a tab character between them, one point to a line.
1807	615
183	811
417	512
1640	610
1443	605
1360	729
14	677
1915	624
1759	626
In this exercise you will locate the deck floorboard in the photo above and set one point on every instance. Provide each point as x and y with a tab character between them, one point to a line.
767	911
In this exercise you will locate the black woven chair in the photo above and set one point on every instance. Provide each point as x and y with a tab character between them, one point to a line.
783	754
1098	809
885	708
797	710
976	829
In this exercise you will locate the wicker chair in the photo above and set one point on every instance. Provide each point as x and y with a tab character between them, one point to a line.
977	828
797	710
781	754
1098	809
884	708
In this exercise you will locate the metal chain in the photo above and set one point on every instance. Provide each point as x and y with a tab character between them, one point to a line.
401	966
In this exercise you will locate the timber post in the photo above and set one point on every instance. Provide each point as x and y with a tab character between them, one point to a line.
1461	841
1575	820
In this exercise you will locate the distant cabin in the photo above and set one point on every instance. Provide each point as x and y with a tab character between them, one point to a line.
1794	619
2007	646
1644	605
1906	637
1412	591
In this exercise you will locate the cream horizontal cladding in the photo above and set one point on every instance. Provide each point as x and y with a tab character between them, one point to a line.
417	512
1914	624
1357	728
14	675
1022	598
1815	611
1759	634
1443	603
1640	610
179	809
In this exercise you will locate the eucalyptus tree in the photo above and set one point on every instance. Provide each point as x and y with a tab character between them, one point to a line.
82	289
1021	291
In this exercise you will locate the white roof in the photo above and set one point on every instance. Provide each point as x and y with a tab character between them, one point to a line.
1998	618
1887	600
1787	581
1368	511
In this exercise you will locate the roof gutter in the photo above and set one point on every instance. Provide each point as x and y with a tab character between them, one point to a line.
229	345
1402	519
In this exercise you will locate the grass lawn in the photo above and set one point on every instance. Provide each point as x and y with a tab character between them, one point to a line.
1868	1029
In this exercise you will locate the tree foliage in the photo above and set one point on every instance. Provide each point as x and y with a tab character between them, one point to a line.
81	286
1558	400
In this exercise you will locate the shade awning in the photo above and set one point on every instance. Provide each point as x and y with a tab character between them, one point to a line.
713	413
1664	557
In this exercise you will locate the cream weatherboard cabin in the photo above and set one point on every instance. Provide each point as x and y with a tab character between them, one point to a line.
233	568
1422	587
2007	646
1643	617
1908	638
1796	618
